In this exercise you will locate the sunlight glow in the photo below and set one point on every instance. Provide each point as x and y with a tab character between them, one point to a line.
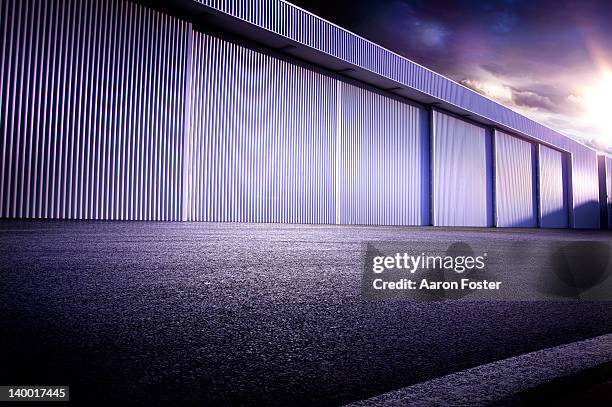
599	109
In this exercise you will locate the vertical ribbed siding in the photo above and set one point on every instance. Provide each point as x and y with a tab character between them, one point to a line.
333	43
602	170
553	188
96	119
262	145
514	181
462	178
384	166
608	162
91	110
585	188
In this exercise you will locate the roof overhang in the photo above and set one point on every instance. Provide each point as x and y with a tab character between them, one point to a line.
290	30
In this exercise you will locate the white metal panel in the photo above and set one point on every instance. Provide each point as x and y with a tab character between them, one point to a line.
515	186
553	184
609	189
384	162
91	98
262	141
462	178
585	188
603	170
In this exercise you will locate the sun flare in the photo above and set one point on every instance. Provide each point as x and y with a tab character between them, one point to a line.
599	109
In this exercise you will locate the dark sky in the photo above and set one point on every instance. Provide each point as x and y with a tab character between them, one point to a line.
550	60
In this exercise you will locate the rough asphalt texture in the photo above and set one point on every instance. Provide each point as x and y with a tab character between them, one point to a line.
245	314
502	382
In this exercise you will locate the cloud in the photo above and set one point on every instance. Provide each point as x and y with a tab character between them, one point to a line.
474	85
544	104
525	54
432	34
534	100
497	69
493	89
510	95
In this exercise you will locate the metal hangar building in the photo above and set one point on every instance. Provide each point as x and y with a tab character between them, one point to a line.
258	111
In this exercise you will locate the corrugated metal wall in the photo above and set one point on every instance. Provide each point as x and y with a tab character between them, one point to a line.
92	110
462	173
604	172
283	19
515	182
609	189
110	110
585	188
263	140
384	162
553	179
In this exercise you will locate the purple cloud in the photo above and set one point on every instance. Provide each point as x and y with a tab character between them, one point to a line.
535	57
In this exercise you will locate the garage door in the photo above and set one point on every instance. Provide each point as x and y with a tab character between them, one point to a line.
515	186
462	173
553	189
384	163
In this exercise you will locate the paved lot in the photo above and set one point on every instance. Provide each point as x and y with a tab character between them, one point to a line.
245	314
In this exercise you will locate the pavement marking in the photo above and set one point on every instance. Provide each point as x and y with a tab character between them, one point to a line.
485	384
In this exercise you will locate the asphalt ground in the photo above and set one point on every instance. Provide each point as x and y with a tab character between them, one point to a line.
572	374
205	314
